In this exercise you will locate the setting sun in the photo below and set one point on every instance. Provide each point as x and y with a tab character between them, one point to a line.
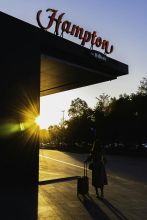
42	122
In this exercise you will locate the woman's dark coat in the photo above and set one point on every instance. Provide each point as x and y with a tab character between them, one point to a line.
99	177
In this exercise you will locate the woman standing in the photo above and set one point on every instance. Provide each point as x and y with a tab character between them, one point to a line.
99	177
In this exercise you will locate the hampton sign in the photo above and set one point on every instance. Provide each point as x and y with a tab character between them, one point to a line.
72	29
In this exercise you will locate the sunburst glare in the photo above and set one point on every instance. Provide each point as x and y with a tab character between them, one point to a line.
42	122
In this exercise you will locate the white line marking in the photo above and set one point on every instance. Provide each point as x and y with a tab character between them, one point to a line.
113	176
50	158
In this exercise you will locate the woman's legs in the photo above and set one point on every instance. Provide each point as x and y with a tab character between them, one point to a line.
102	191
96	190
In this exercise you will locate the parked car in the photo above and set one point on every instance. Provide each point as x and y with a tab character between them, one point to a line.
42	145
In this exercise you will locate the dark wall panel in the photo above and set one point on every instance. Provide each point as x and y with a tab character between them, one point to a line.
19	105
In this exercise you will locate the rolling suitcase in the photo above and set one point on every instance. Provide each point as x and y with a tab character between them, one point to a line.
83	182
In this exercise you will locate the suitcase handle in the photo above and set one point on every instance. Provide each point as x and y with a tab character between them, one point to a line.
85	169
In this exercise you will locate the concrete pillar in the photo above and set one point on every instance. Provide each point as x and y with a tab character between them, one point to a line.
19	105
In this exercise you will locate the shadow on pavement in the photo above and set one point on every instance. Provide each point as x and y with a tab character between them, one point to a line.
94	210
64	179
115	211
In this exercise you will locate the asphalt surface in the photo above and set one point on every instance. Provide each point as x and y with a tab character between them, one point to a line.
125	194
131	168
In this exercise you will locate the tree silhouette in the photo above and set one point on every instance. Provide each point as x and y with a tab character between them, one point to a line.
142	89
112	120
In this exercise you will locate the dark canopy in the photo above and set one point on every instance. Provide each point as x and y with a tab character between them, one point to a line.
64	64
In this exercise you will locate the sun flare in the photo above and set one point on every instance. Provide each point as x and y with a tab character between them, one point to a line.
42	122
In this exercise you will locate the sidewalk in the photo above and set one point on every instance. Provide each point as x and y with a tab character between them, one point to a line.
124	200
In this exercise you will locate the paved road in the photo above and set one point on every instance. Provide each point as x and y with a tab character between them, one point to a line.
131	168
126	193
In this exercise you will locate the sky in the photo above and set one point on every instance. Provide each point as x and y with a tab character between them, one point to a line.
122	22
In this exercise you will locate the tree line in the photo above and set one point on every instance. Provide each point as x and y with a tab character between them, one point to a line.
112	120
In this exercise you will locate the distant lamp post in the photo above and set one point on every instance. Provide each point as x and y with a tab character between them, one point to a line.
63	116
